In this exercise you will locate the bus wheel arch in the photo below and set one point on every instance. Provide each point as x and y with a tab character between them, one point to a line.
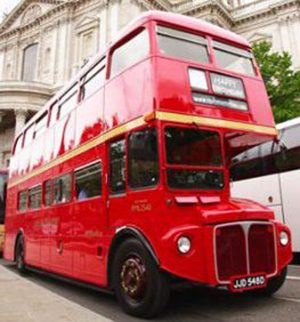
141	288
121	236
20	234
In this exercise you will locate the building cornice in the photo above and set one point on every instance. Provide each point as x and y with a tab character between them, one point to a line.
214	7
66	6
273	10
19	9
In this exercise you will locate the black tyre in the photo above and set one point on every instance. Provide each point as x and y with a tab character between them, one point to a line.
274	284
140	287
20	255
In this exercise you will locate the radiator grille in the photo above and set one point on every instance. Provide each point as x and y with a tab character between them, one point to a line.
244	248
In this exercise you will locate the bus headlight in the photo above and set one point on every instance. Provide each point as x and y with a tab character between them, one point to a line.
283	238
184	244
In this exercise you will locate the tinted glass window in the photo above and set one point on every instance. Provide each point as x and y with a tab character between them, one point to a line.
62	189
255	162
88	181
22	203
234	59
182	45
117	167
35	197
289	157
131	52
143	168
48	193
193	147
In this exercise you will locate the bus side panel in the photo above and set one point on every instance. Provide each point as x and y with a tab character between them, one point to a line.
130	96
89	224
291	204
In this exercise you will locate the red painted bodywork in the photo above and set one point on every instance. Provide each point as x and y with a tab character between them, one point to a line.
86	228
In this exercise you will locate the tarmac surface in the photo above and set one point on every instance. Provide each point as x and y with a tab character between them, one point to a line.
39	298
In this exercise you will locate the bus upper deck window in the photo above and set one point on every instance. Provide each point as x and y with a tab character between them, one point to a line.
182	45
129	53
234	59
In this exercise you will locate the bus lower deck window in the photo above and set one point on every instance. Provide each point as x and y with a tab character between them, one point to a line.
62	189
88	181
117	167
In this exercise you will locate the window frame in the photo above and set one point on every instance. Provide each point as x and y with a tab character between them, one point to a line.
234	50
123	192
50	181
205	43
25	191
100	181
54	180
121	43
29	197
67	96
97	68
167	166
149	187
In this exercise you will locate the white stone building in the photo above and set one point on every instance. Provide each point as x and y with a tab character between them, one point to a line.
44	42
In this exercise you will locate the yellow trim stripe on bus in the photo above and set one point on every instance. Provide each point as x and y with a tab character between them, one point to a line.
183	118
163	116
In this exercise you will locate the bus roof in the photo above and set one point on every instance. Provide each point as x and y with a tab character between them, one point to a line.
159	16
288	123
186	22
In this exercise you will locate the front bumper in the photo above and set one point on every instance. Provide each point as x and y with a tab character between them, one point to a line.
220	252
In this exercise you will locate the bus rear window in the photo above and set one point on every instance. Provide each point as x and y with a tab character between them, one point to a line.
182	45
234	59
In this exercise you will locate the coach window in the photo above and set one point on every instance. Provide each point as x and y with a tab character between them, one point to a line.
62	189
93	80
143	168
117	167
22	202
68	102
129	53
35	197
88	181
289	157
47	188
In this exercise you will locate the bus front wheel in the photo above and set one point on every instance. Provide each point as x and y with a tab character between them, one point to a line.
21	267
140	287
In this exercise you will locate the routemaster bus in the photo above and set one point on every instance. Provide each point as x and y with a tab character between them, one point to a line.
122	179
3	179
270	174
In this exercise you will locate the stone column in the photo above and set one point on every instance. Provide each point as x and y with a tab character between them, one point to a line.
20	120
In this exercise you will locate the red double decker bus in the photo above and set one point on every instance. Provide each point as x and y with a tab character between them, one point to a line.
122	179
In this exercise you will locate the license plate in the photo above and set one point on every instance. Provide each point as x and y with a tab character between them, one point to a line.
244	283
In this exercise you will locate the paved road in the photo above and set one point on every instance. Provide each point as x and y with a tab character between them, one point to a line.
198	304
